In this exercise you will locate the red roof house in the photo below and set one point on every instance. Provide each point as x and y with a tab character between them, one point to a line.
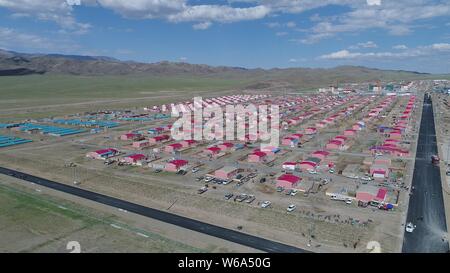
288	181
175	165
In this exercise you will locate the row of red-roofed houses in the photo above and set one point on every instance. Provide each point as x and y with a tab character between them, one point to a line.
393	145
141	144
292	139
325	103
340	142
209	102
221	149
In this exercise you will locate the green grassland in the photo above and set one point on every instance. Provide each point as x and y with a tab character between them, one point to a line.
39	96
50	87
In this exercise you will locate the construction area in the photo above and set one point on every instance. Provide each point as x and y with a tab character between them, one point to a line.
338	179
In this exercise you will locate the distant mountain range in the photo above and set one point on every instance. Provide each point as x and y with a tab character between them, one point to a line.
14	63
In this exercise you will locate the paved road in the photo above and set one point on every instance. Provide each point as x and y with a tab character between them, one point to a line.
188	223
426	207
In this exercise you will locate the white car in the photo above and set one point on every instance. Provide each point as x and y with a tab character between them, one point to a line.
291	207
378	154
265	204
312	171
208	179
331	170
348	201
194	170
366	178
410	227
294	192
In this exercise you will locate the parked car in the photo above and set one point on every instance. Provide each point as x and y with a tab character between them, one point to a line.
291	207
194	170
202	190
280	189
252	175
331	170
200	178
348	201
109	162
158	170
294	192
288	192
241	197
226	182
262	180
239	176
366	178
447	173
250	199
228	196
312	171
265	204
209	179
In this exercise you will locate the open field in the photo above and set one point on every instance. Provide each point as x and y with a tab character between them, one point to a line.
40	96
39	220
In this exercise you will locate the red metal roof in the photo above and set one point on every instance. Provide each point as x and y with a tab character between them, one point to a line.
381	195
313	164
105	151
176	145
213	149
179	162
289	178
161	137
136	156
260	154
228	144
324	153
335	141
290	163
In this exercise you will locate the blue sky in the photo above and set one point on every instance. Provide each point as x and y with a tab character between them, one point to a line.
401	34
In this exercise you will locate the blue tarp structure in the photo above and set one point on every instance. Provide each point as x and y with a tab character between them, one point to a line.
6	141
50	130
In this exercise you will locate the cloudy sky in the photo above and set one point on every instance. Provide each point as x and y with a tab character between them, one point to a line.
394	34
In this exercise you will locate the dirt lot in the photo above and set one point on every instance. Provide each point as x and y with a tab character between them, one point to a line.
36	219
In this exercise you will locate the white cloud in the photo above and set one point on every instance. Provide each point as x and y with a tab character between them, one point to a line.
224	14
17	40
342	54
293	60
291	24
59	11
400	47
273	24
441	46
428	50
183	59
373	2
396	17
202	26
281	33
368	44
